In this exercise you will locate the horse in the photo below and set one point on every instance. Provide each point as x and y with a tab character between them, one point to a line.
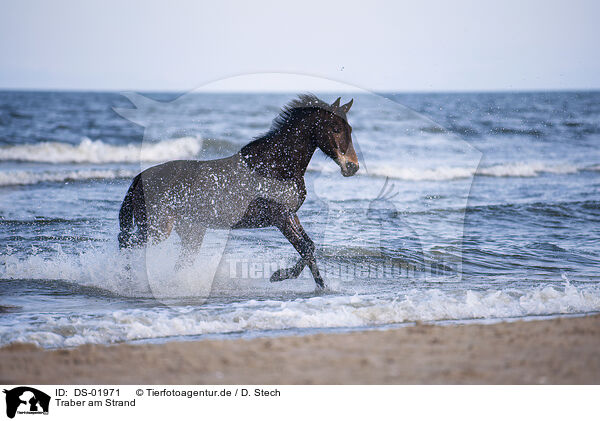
262	185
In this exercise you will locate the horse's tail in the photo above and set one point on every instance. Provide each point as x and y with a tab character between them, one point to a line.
127	237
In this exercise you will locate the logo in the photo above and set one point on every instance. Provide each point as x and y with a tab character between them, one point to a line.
26	400
373	253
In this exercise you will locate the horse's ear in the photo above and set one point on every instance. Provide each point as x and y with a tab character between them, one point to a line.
346	107
336	103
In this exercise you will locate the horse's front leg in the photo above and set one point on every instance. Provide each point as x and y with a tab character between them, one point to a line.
290	226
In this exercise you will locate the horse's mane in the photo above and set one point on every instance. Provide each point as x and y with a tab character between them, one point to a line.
303	101
264	152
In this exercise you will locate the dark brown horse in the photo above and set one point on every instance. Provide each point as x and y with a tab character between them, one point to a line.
260	186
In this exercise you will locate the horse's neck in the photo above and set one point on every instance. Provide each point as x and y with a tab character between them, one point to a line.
285	154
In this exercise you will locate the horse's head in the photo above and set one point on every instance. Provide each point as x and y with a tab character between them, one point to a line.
333	136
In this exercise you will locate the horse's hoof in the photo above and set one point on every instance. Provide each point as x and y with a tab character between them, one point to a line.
277	277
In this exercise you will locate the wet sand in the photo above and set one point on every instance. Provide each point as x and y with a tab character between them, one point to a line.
557	351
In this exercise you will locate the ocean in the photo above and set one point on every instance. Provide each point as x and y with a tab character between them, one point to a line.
468	207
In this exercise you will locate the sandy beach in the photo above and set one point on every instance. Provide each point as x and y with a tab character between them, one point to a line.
557	351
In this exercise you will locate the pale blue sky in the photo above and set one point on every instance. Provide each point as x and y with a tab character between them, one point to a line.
377	45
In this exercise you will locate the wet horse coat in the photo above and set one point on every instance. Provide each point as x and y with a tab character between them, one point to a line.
262	185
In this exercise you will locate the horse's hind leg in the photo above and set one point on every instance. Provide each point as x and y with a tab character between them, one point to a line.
159	230
191	241
291	228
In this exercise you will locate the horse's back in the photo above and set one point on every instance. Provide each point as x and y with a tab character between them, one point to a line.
216	193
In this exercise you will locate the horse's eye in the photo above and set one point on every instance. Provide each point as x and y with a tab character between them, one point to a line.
337	129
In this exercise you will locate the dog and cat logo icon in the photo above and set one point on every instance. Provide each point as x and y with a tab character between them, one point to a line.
26	400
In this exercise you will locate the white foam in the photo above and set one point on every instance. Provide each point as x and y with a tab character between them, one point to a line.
56	330
15	178
105	268
514	169
420	174
135	273
527	169
20	178
97	152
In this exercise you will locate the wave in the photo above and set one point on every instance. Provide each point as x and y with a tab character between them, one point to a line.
517	169
134	273
321	312
251	306
21	178
525	169
98	152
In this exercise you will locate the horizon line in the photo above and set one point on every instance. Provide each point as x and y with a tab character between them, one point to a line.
321	91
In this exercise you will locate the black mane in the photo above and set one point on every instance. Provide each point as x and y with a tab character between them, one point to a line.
304	101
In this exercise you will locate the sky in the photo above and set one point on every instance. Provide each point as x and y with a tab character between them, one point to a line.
406	46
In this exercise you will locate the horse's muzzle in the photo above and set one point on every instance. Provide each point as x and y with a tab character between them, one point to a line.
349	169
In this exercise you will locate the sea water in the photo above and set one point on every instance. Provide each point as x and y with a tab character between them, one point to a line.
467	207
